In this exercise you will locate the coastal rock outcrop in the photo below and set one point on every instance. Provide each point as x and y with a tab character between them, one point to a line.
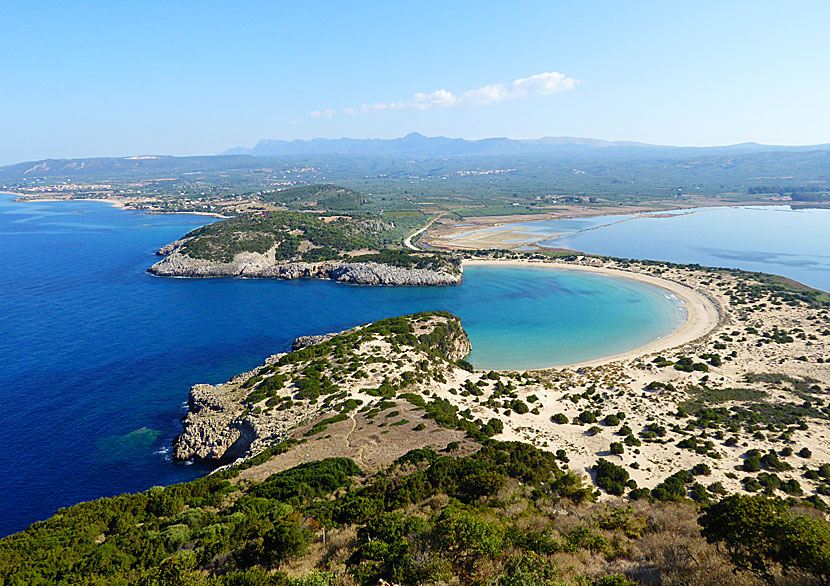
459	347
256	409
255	265
297	245
218	427
212	426
305	341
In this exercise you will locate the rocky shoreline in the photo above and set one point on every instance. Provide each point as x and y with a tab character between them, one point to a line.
253	265
224	423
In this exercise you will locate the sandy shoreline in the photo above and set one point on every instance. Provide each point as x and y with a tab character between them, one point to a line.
741	369
120	204
650	394
702	314
512	232
26	198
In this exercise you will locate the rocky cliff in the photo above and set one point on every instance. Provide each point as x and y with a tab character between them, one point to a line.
256	265
319	377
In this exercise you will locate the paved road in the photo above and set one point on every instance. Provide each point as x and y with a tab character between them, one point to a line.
408	240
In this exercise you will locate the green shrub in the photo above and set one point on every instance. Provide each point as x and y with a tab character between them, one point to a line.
701	469
287	539
632	441
751	464
610	477
587	417
672	488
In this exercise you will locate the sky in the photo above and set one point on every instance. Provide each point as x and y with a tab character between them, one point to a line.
80	79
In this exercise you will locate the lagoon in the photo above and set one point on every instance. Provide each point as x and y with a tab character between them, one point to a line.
776	239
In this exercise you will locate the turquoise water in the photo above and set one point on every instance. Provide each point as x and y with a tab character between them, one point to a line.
773	239
98	356
536	317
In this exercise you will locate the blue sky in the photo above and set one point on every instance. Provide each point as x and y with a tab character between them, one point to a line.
121	78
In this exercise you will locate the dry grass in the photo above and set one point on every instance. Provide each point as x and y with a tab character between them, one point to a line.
674	554
371	446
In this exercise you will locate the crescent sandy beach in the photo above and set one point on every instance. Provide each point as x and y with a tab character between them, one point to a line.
702	313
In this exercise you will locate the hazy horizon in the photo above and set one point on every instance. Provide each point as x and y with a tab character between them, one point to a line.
188	79
532	138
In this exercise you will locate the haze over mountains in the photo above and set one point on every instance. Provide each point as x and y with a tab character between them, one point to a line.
347	159
417	145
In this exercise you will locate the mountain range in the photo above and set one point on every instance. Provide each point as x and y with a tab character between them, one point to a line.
347	158
417	145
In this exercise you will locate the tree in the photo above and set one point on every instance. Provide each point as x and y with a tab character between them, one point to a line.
482	483
610	477
742	524
286	539
465	537
803	545
762	534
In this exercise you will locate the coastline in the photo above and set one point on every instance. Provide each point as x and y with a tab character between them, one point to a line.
498	231
648	393
628	378
122	205
702	314
24	198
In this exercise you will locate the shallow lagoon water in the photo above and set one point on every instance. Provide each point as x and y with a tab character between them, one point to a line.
773	239
98	356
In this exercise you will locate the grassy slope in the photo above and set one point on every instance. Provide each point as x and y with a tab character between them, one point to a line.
427	517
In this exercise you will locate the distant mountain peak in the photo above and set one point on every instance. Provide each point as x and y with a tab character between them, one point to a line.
416	144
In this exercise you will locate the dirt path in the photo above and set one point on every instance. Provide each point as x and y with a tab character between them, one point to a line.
359	453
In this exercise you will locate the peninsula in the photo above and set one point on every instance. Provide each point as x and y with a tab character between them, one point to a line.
292	245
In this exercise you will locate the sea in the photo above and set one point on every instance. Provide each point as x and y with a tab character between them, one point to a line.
97	356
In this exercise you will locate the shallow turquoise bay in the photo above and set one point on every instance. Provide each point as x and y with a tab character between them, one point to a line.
529	317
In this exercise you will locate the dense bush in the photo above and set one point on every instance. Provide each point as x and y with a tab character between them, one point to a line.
611	420
308	481
610	477
429	518
587	417
762	534
673	488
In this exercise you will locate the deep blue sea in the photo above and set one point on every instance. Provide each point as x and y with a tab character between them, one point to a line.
97	356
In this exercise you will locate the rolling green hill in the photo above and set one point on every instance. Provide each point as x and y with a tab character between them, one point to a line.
323	196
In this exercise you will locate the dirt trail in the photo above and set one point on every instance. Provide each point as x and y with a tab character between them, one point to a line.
359	454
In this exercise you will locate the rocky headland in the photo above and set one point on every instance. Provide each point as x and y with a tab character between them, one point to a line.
253	265
293	245
323	375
